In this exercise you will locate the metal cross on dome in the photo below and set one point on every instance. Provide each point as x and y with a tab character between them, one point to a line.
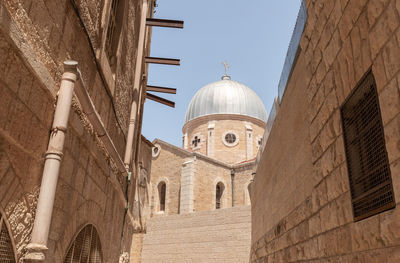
226	65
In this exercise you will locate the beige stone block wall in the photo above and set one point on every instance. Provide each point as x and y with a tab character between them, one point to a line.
167	166
211	236
35	38
207	176
342	40
136	249
243	177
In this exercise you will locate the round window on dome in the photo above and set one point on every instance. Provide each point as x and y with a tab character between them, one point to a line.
230	138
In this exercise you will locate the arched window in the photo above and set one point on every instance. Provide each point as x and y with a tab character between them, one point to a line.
6	248
162	188
219	190
86	247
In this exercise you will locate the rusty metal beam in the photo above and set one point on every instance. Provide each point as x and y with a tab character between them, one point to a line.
160	100
161	89
164	23
165	61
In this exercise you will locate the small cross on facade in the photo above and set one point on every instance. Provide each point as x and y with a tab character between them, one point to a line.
195	141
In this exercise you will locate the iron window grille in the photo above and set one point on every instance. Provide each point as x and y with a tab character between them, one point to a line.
367	161
230	138
86	247
6	248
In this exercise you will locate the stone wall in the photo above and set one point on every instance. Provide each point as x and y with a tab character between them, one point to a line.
212	236
311	219
35	38
169	165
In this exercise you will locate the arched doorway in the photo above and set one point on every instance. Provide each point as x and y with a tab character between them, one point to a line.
86	247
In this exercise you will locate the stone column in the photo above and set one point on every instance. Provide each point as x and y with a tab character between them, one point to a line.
185	141
38	245
187	186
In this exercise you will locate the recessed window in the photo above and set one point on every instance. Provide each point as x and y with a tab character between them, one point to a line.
162	189
259	141
219	190
366	156
155	151
196	141
114	30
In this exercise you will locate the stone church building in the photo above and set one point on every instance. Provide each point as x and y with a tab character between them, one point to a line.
204	183
317	180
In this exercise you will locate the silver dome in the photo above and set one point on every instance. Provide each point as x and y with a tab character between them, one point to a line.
226	97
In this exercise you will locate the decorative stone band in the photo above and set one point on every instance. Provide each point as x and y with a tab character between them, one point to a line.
204	119
55	155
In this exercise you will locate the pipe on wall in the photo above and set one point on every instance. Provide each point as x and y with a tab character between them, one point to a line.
53	156
233	186
70	80
94	118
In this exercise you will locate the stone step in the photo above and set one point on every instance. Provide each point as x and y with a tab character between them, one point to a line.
208	236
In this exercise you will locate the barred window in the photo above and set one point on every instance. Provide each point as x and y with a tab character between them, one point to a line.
114	30
6	248
366	156
86	247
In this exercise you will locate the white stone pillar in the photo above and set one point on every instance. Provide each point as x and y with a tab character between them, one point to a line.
210	139
41	227
187	186
185	141
249	141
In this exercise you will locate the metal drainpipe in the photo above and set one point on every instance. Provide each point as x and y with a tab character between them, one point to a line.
136	85
233	184
38	245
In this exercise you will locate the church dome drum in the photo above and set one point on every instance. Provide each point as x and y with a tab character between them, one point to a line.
226	97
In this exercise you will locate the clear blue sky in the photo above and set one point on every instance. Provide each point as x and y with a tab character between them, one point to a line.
253	36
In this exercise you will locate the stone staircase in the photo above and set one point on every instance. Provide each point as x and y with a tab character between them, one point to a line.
211	236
